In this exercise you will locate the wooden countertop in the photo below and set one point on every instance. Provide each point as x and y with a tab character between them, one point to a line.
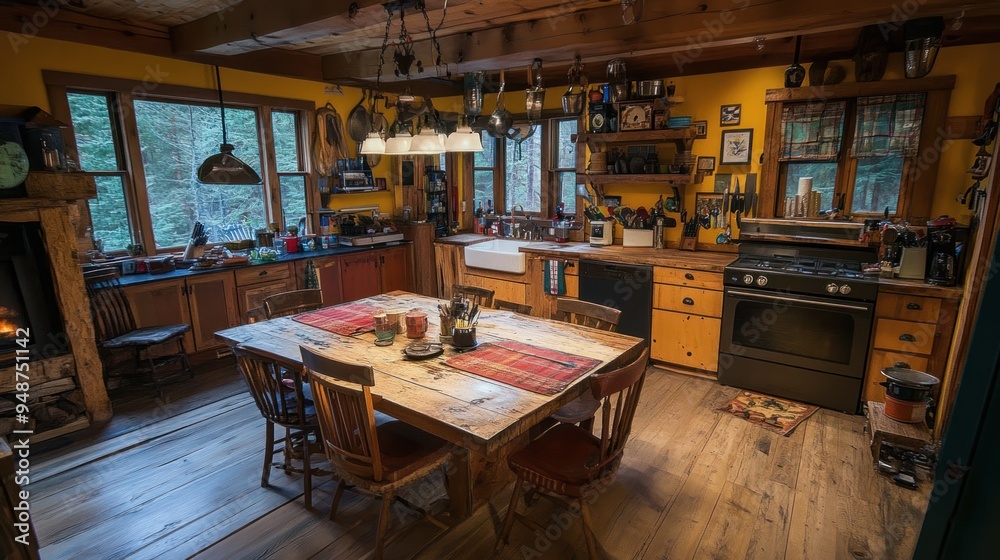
463	239
695	260
709	261
918	288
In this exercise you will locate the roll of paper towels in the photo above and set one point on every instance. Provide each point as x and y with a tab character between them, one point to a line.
805	185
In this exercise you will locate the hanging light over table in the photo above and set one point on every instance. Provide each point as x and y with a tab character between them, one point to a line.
224	168
464	139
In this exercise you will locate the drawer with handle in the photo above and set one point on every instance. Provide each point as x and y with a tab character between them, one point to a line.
697	301
905	336
880	359
686	277
908	308
259	274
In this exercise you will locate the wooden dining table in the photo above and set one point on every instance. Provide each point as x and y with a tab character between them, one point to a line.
486	418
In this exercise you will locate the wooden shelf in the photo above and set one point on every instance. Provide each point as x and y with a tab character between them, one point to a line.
639	136
631	179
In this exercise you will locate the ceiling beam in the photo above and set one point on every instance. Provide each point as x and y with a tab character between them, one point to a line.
67	25
679	31
253	25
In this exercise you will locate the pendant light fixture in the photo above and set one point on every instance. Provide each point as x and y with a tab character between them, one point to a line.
224	168
464	139
428	142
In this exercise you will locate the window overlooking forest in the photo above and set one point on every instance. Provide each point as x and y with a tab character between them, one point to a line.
865	162
147	185
175	139
291	174
536	173
483	171
99	149
523	171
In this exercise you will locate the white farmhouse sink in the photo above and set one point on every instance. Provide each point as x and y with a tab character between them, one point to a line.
499	254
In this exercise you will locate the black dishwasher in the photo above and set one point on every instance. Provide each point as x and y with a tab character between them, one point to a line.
621	286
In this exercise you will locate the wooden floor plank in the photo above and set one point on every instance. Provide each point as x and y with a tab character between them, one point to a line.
695	482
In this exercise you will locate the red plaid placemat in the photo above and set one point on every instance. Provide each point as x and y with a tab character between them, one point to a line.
524	366
346	320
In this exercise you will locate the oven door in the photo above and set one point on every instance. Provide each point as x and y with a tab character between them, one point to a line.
801	331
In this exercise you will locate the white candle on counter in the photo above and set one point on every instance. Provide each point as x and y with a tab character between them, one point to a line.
805	186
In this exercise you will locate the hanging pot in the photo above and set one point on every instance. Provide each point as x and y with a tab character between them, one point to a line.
534	97
501	120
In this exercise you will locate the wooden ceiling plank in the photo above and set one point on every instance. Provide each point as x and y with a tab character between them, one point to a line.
254	25
148	39
664	29
472	17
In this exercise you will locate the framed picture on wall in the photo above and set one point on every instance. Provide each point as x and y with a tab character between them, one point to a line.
708	210
706	164
731	115
737	145
700	129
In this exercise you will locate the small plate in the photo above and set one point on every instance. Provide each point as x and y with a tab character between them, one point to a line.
423	350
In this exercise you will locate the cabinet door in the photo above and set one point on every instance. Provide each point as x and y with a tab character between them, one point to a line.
359	276
161	303
252	297
396	269
212	301
686	340
328	273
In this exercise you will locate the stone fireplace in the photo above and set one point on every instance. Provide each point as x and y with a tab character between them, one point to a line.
42	289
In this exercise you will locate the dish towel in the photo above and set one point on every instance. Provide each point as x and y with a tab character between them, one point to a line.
555	277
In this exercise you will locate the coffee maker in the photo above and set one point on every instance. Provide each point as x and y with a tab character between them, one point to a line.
945	251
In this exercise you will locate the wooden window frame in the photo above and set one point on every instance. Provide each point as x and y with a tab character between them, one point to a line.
125	91
919	172
549	173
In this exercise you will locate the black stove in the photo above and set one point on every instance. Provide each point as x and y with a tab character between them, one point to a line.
827	272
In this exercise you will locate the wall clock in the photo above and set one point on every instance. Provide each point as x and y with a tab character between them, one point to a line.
13	165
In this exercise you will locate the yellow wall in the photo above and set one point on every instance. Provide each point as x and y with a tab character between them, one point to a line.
24	86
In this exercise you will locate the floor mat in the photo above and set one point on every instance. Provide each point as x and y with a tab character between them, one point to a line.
771	413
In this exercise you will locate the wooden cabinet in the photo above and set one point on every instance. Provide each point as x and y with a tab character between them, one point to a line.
450	264
211	300
912	331
687	318
328	276
395	266
161	303
425	281
255	283
359	275
686	340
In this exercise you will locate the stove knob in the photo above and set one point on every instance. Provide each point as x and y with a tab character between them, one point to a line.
845	289
762	281
748	279
831	288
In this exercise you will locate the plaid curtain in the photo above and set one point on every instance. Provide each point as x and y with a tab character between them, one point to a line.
812	131
889	125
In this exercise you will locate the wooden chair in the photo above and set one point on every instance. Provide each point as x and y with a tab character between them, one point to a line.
279	392
569	462
587	314
483	297
380	459
116	330
291	303
521	308
582	410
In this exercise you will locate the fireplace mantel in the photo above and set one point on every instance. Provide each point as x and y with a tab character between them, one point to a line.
56	213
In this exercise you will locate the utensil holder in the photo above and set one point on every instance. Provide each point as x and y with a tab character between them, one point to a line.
637	237
464	337
447	327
